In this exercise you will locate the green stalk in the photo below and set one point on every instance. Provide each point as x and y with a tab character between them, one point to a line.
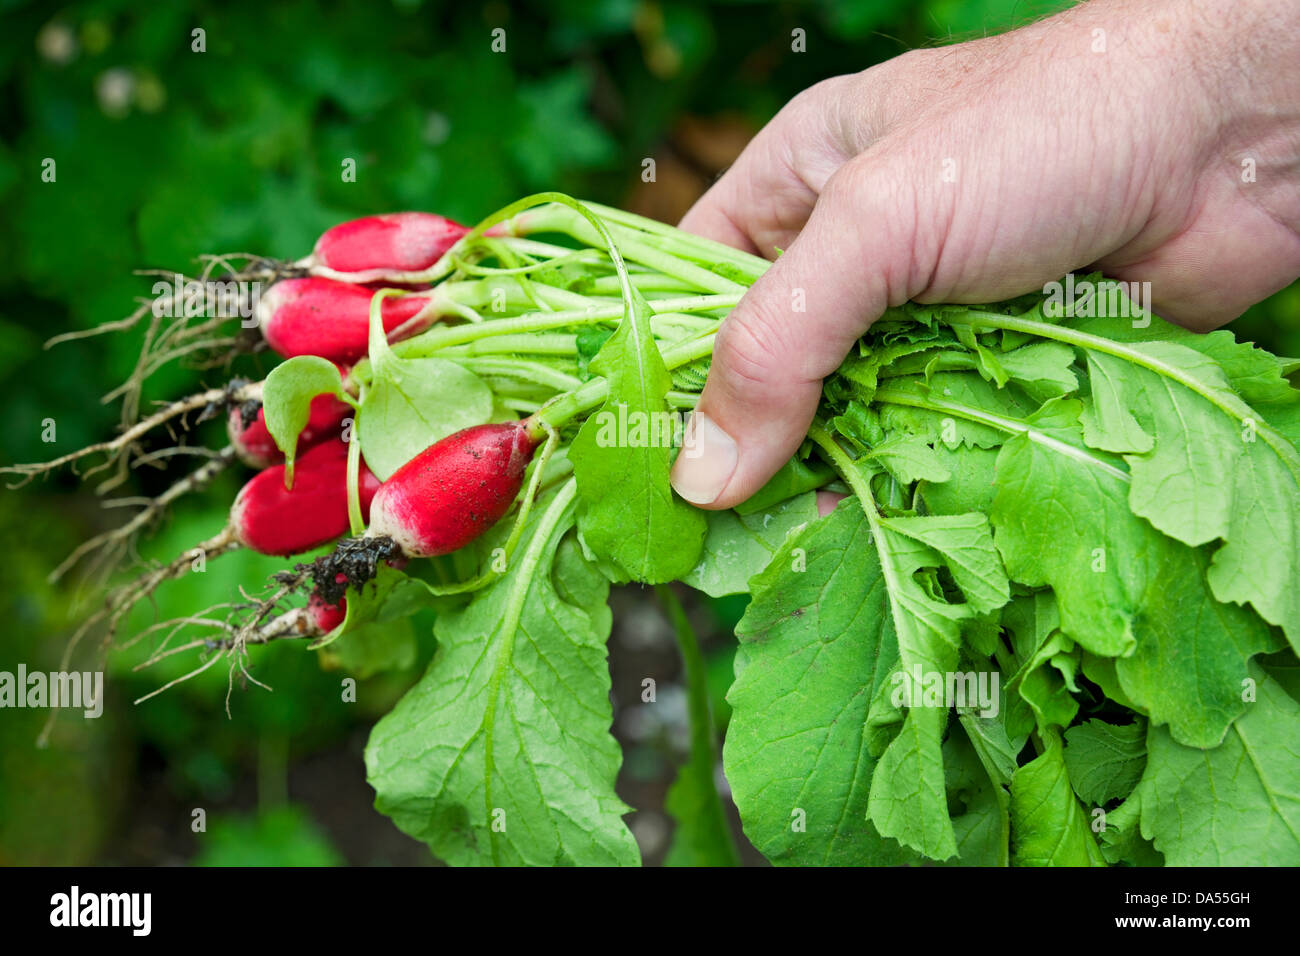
356	523
676	240
704	746
1000	793
683	323
542	250
529	371
513	292
519	588
853	477
580	256
644	281
428	343
558	298
560	217
539	343
522	405
569	405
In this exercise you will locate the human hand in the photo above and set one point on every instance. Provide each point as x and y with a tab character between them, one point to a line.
1155	141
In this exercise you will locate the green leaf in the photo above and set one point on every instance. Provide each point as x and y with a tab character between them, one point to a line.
1237	804
1105	760
1103	672
996	750
376	634
1122	840
815	646
907	798
701	837
589	341
501	753
1062	519
1032	622
413	403
979	763
793	478
643	530
967	548
860	424
286	400
1042	369
1283	667
970	485
1108	423
925	416
864	370
1254	374
909	458
1186	432
376	648
1048	827
736	547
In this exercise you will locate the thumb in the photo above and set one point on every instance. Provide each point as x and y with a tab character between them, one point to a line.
791	330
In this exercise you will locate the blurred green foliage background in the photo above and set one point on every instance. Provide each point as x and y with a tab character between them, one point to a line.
162	153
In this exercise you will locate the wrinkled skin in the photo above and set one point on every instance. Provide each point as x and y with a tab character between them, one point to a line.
981	171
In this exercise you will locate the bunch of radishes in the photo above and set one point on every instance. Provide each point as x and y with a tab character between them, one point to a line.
439	501
518	305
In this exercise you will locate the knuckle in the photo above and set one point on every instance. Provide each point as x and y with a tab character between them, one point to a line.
847	185
755	349
879	209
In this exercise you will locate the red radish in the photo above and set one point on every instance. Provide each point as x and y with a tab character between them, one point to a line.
331	319
327	616
257	449
379	247
455	489
272	520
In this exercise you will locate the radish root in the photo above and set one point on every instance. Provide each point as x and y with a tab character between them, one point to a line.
117	450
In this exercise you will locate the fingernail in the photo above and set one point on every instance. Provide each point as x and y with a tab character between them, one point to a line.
706	462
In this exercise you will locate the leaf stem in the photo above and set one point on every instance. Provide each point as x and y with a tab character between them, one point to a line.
540	343
519	587
427	343
892	396
566	406
529	371
679	241
356	522
704	746
1236	409
586	227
